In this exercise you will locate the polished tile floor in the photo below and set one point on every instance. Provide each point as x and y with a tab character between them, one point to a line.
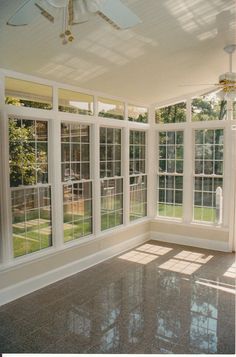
155	298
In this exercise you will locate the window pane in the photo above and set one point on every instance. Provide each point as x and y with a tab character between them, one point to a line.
138	197
75	102
28	152
208	147
175	113
77	208
27	94
137	152
110	108
110	152
170	188
138	114
75	151
111	203
208	107
31	220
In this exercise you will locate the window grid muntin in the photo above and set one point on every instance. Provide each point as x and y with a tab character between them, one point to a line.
79	195
31	144
138	196
110	152
205	212
170	148
111	202
21	227
77	168
137	174
137	152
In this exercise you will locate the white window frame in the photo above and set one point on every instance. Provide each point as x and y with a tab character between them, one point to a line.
54	118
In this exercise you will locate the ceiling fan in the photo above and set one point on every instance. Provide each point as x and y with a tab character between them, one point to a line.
75	12
226	87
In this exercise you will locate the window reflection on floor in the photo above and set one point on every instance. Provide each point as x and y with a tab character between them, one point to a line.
157	307
231	271
204	314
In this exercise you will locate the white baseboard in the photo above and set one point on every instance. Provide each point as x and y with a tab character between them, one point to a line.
191	241
28	286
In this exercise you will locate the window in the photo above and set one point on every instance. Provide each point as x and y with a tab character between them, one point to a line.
234	110
77	186
209	107
30	191
209	150
138	177
75	152
170	173
111	108
27	94
75	102
111	180
110	152
175	113
138	114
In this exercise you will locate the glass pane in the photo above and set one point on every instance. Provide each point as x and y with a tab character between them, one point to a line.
27	94
31	220
208	107
75	102
28	152
111	203
138	114
175	113
110	108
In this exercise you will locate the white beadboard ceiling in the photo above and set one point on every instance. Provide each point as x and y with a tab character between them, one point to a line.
178	42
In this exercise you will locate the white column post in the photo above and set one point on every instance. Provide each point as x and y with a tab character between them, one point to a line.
188	168
6	226
95	165
55	175
151	165
125	172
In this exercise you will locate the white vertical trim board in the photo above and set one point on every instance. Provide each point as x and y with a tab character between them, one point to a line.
28	286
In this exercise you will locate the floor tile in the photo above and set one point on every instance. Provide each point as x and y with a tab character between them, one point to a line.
176	300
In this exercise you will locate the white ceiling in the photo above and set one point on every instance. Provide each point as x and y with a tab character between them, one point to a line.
178	42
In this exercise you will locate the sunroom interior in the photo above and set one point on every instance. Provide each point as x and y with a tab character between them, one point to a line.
118	151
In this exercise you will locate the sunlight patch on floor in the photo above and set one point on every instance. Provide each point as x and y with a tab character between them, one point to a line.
138	257
180	266
194	257
154	249
231	271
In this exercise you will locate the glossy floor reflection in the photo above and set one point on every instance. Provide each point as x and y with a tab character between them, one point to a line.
156	298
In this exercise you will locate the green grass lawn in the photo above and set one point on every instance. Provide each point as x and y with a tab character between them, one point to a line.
36	236
206	214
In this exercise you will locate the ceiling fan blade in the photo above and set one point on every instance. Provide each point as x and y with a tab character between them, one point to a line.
80	12
58	3
199	84
24	15
117	14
